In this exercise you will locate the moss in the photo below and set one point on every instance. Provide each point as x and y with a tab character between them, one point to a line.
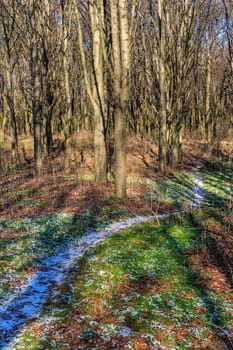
144	280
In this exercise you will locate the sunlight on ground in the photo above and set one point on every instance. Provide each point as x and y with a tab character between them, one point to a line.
148	287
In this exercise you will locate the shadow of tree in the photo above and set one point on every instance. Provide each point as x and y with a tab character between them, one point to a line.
152	290
147	285
144	282
28	302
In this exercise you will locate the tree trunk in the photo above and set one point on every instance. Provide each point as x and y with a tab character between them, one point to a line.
121	68
99	107
36	90
95	83
36	111
174	155
162	87
68	115
8	61
65	14
208	133
11	107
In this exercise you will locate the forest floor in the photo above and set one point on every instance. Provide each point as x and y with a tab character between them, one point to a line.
58	191
166	284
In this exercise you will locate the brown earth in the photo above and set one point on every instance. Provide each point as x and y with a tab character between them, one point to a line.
56	191
23	195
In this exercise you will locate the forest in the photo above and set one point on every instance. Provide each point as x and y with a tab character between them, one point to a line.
116	174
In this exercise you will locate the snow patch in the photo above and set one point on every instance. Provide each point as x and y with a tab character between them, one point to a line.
28	302
198	190
125	332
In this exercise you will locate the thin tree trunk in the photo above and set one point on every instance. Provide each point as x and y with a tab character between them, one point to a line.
36	111
99	107
208	133
95	85
121	68
162	86
228	7
65	13
68	115
11	107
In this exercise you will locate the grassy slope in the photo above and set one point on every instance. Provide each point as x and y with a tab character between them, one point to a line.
141	289
150	287
25	242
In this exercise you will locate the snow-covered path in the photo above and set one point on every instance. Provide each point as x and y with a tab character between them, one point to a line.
198	190
26	304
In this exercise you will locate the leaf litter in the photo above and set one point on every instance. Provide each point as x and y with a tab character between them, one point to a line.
28	302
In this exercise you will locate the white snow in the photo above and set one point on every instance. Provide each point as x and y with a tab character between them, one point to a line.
198	191
28	302
125	331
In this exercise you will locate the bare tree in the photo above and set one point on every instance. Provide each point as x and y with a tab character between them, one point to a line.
163	23
228	9
65	37
8	20
35	47
121	71
95	81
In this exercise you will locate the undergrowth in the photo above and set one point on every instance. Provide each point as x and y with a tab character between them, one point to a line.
141	289
154	286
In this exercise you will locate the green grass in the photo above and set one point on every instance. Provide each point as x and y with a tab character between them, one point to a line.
176	189
143	288
218	186
17	192
142	281
29	241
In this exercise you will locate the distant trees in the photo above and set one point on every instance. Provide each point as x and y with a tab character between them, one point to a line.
228	13
228	76
9	37
162	68
176	48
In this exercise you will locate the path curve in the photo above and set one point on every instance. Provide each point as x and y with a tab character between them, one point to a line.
27	304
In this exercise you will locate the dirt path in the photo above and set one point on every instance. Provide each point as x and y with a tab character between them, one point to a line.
16	311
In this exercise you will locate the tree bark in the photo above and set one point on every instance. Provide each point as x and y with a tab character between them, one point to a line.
36	91
207	99
11	106
7	21
162	88
121	69
36	111
96	12
65	15
95	83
